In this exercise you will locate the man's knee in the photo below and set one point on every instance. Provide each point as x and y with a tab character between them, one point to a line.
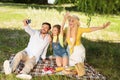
19	55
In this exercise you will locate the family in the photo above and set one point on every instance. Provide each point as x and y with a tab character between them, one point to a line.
40	40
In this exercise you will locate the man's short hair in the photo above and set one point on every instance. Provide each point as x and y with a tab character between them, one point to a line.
47	24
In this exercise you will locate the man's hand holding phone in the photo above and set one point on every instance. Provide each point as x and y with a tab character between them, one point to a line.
26	22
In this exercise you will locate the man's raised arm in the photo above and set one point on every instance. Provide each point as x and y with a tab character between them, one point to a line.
28	28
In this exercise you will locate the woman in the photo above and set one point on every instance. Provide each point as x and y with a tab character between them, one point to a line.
73	38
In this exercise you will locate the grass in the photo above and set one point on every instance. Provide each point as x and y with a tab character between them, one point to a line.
51	77
102	47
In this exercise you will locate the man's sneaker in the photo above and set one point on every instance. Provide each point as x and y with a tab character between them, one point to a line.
24	76
6	67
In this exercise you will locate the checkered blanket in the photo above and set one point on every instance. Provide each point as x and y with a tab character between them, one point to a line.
91	73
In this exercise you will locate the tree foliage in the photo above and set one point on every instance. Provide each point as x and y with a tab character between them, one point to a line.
96	6
31	1
99	6
87	6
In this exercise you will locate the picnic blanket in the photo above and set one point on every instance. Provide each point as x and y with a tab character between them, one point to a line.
91	73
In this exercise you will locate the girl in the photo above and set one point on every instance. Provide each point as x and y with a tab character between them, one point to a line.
58	48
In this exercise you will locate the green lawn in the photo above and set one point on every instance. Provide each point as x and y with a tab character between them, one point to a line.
102	47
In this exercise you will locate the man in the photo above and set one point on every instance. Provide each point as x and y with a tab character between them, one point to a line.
37	47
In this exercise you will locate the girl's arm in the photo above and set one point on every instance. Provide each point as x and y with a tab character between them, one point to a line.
100	27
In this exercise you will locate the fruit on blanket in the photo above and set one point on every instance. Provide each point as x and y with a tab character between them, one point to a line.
70	70
59	69
45	69
48	69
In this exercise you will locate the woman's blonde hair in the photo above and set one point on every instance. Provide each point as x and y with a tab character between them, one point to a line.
76	18
75	29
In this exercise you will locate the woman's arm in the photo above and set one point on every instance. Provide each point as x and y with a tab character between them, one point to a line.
63	23
100	27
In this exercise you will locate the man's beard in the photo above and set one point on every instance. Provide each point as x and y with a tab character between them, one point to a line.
43	32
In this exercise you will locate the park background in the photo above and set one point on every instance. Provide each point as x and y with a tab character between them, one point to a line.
102	47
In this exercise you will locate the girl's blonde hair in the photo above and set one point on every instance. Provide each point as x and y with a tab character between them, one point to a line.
58	27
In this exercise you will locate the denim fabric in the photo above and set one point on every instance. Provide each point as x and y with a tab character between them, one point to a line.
58	50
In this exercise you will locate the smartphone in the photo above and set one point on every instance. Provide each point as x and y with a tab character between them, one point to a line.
28	21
